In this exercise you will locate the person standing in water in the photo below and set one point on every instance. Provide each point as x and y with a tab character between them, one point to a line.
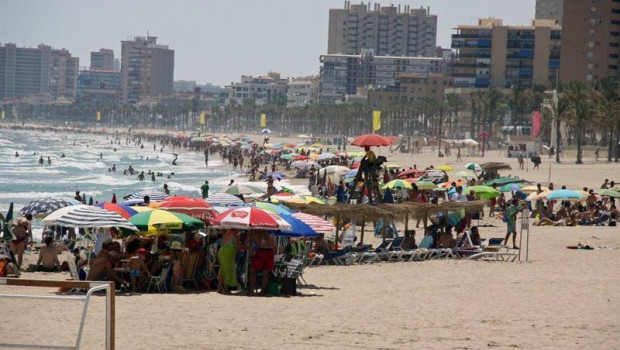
41	160
49	161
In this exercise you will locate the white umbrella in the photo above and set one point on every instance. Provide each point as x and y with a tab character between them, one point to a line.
85	216
223	199
326	156
470	142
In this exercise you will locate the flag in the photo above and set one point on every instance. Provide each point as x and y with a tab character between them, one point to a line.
263	120
203	118
376	120
98	116
6	234
3	114
536	123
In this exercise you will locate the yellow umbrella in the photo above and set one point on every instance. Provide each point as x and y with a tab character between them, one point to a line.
314	155
445	167
532	188
317	144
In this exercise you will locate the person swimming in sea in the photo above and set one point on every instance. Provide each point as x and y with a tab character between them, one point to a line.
62	155
16	154
152	176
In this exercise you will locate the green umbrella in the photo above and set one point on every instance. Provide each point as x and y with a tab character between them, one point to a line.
157	222
485	192
503	181
610	193
397	184
511	187
7	231
425	185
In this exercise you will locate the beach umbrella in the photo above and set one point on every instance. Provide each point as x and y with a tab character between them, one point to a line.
412	180
473	166
352	173
272	207
485	192
250	218
371	140
266	131
194	207
44	206
503	181
300	164
300	199
469	142
236	189
6	230
318	224
610	193
445	167
453	190
532	188
84	216
534	195
398	184
277	176
411	172
301	158
465	174
425	185
123	210
565	195
161	221
297	228
458	182
393	166
154	195
224	199
514	187
326	156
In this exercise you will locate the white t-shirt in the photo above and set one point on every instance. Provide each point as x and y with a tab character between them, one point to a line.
458	197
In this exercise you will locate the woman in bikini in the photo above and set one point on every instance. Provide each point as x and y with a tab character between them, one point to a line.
22	236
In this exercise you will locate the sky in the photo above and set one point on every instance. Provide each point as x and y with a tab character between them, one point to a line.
218	41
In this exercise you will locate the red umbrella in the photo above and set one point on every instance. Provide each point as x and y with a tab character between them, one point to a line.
250	218
177	198
412	179
194	207
121	209
371	140
411	172
301	158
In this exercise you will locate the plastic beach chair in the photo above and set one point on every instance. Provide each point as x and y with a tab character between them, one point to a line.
159	282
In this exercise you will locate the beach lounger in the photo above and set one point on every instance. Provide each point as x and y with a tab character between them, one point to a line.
188	265
381	253
494	256
341	257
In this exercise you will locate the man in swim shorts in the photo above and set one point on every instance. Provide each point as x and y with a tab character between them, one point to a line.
263	246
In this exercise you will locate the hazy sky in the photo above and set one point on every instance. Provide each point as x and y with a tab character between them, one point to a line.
218	41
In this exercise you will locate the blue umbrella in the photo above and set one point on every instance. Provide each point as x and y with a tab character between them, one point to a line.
564	195
44	206
453	190
298	228
274	175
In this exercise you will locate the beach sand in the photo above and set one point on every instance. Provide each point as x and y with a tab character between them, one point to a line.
560	299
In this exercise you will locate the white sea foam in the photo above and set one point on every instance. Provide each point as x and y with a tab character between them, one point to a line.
38	195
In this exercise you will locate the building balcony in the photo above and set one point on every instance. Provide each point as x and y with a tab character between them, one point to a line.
463	75
471	36
458	64
474	55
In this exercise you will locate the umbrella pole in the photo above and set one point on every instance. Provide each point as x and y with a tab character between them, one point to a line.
337	229
406	222
363	227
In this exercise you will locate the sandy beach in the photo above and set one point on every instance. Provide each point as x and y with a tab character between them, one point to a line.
560	299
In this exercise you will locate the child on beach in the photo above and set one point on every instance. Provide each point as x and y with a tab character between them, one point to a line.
137	269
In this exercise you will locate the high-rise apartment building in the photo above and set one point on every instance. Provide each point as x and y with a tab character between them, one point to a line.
26	71
261	90
99	87
342	75
147	69
302	91
590	40
386	30
550	9
491	54
102	60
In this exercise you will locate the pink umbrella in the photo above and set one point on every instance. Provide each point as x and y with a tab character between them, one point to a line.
316	223
247	218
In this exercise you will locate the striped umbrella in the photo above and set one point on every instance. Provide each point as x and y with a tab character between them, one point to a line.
317	224
272	207
121	209
85	216
250	218
194	207
222	199
398	184
425	185
154	195
44	206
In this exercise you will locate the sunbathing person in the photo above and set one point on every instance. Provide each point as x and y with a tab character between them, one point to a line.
48	257
320	246
102	269
409	241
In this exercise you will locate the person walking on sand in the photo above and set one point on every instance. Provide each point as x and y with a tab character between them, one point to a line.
511	222
262	258
205	189
458	155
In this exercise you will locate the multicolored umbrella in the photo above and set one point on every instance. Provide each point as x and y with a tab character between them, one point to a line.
224	199
273	207
123	210
277	176
473	166
411	172
44	206
250	218
503	181
398	184
157	221
297	228
154	195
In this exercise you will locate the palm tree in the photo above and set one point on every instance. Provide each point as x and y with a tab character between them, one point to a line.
581	110
454	103
558	109
607	97
518	101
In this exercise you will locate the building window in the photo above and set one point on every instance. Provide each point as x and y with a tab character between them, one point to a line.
613	55
590	65
589	77
592	32
590	54
613	66
591	44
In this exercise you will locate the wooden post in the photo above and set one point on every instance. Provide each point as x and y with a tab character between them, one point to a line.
337	229
363	227
406	222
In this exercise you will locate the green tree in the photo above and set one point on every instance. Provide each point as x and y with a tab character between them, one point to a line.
581	110
607	98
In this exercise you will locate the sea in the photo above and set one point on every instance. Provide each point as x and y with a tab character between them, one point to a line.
85	168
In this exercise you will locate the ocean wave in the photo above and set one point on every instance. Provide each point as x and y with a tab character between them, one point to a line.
38	195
